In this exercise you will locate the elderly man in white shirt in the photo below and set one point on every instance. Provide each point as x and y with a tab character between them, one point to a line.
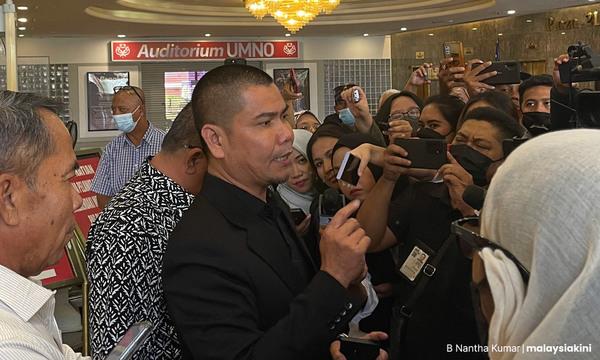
37	203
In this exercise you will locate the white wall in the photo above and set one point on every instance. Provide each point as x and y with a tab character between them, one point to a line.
85	53
97	50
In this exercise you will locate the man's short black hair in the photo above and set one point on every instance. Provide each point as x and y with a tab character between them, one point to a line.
506	125
535	80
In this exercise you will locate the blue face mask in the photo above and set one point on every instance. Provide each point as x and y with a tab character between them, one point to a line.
346	116
125	122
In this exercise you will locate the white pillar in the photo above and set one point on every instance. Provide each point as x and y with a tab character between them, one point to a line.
11	45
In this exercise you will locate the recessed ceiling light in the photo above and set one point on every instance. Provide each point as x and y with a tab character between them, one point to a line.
474	29
288	34
562	33
22	28
430	34
21	35
365	35
500	34
22	8
403	29
121	35
529	20
511	12
22	19
207	35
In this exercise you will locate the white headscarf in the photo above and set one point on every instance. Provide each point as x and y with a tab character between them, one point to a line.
543	205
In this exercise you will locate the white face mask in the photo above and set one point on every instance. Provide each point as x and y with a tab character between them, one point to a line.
125	122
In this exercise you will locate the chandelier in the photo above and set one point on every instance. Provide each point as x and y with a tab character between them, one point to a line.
292	14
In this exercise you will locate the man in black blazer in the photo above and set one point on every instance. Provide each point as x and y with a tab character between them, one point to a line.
238	280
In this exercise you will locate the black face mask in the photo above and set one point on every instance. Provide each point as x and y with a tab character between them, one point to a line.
537	123
427	133
474	162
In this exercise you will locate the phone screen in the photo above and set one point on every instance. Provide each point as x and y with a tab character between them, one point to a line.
349	169
131	341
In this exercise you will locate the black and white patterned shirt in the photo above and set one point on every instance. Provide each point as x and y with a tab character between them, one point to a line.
124	251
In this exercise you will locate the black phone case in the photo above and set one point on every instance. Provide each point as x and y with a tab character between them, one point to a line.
298	215
359	349
425	153
509	72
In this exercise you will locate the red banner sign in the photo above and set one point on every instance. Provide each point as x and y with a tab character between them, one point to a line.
202	50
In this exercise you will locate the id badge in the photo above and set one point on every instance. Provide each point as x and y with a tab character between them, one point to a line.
414	263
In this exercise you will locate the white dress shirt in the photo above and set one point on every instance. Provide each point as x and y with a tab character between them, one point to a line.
28	329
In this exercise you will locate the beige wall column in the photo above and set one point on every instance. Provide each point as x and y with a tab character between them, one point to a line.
11	45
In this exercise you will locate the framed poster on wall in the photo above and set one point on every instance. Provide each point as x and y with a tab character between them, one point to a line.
303	76
100	93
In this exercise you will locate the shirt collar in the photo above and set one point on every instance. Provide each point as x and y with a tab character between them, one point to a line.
24	296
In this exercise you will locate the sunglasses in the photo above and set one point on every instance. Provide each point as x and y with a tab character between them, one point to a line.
470	242
126	88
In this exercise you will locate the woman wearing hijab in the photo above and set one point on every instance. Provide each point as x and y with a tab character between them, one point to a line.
299	189
542	208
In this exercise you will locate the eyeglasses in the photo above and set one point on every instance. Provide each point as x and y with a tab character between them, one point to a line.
116	89
309	127
414	113
470	242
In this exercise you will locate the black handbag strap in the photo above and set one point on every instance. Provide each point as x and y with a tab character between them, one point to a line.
428	272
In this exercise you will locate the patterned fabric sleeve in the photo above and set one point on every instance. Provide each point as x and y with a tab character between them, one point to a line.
116	270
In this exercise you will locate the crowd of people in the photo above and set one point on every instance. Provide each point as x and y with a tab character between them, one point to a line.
221	233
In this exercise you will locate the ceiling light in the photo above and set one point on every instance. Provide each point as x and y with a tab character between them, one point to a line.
292	14
22	19
403	29
474	29
288	34
430	34
121	35
500	34
21	35
511	12
562	33
365	35
207	35
22	8
22	28
529	20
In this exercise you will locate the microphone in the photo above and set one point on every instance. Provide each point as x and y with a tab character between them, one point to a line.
329	203
474	196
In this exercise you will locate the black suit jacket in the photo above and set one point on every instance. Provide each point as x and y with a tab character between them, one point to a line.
233	292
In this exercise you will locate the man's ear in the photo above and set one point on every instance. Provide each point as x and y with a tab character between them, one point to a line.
215	138
11	192
195	162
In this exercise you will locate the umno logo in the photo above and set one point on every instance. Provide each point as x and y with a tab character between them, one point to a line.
122	50
289	49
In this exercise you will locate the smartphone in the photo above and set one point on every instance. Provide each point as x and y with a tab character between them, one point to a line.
131	341
454	49
298	215
359	349
508	145
294	81
355	95
509	72
348	171
424	153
